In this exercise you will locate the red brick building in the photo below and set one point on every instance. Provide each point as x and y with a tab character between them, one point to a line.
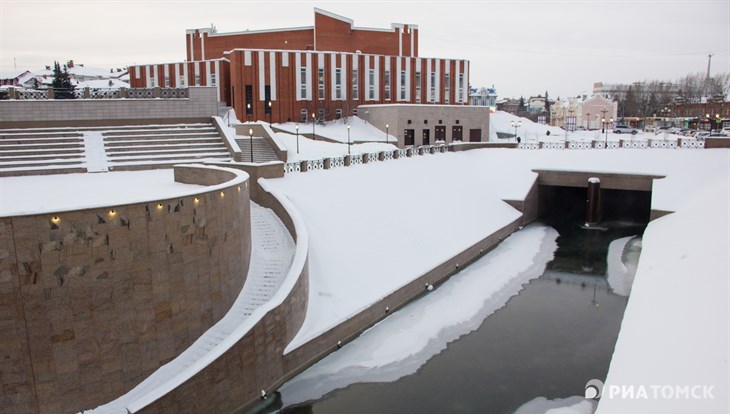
325	70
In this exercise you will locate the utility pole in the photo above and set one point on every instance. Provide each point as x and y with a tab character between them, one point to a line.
707	77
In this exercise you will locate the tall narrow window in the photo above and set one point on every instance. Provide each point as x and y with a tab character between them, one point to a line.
461	87
303	116
182	80
418	87
387	85
212	79
338	83
432	92
267	99
320	80
249	100
197	80
303	83
167	82
402	85
355	82
371	91
447	88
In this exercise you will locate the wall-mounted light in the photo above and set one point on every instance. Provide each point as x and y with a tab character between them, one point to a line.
223	194
197	200
159	205
55	219
112	213
239	188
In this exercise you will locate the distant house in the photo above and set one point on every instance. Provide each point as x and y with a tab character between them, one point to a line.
483	97
589	112
17	78
536	104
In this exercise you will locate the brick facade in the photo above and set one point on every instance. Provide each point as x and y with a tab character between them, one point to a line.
325	70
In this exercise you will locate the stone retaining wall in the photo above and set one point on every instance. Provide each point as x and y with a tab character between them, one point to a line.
93	301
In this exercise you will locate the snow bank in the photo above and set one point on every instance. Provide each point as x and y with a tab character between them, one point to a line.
316	150
360	130
572	405
620	273
404	341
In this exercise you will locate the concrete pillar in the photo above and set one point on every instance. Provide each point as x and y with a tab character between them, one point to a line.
327	163
87	93
304	166
51	94
123	93
593	209
348	160
12	93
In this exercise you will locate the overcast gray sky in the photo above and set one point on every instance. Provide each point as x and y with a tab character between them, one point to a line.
522	47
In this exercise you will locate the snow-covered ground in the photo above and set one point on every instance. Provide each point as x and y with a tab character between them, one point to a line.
316	150
383	224
360	130
64	192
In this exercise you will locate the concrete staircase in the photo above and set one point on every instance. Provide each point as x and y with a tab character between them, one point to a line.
41	151
262	151
148	146
33	151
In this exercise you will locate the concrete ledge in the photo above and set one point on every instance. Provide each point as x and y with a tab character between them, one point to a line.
714	142
609	180
466	146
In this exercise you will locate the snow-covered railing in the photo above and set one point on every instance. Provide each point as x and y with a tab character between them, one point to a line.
553	145
613	145
31	94
336	162
599	144
662	143
356	159
692	143
579	145
292	167
104	93
388	155
402	153
371	157
315	165
528	145
635	144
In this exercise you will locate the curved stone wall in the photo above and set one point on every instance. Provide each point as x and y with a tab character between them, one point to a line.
95	300
255	361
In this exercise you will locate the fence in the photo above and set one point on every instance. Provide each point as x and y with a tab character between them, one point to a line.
97	93
358	159
689	143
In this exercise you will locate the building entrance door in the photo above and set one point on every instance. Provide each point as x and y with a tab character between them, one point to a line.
408	138
475	135
440	133
456	132
426	137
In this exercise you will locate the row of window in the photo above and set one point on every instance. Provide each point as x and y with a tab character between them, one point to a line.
182	81
371	85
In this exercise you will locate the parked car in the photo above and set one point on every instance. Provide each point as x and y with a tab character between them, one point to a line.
725	131
650	129
661	129
625	129
580	128
701	134
674	130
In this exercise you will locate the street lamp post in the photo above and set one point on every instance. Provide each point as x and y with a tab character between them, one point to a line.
348	140
515	125
314	135
269	114
588	121
297	127
386	133
250	141
603	120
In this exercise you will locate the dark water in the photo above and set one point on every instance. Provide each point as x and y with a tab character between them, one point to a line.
549	340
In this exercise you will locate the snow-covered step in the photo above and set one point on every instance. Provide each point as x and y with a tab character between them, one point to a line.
141	133
156	135
164	141
169	156
262	151
266	230
191	146
169	152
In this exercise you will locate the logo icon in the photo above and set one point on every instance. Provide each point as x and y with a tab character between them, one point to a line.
594	388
